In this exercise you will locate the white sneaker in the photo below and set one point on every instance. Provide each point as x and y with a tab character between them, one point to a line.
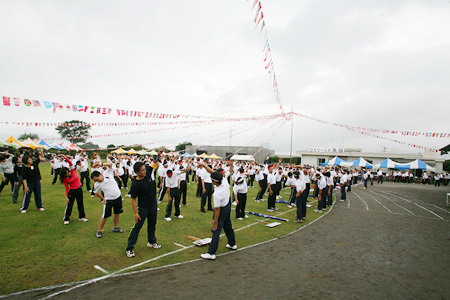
23	211
128	195
158	208
83	219
179	217
275	208
246	216
289	206
240	219
231	247
41	209
318	211
168	219
234	203
92	196
270	210
66	222
208	256
90	191
308	205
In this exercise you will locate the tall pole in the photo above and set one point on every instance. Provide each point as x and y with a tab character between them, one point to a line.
292	129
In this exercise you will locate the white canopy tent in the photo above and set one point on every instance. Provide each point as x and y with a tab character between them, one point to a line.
243	157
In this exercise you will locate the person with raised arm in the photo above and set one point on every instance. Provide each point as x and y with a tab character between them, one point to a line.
72	183
222	210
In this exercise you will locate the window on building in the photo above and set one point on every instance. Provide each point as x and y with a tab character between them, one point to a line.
320	161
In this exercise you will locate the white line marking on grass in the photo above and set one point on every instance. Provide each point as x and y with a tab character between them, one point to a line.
379	202
394	203
101	269
409	201
365	203
179	245
75	285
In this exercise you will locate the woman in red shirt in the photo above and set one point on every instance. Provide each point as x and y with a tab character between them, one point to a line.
73	191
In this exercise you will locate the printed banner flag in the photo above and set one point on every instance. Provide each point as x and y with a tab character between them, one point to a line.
36	103
47	104
6	101
27	102
16	101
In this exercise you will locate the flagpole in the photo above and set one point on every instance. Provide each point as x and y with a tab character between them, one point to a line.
292	129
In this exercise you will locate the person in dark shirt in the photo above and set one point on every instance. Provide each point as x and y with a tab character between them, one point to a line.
18	180
32	182
143	188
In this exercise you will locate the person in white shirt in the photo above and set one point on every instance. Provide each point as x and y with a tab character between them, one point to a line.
207	188
343	183
173	193
366	177
272	185
240	190
380	176
83	168
222	211
300	197
425	178
322	184
112	198
162	178
290	182
56	168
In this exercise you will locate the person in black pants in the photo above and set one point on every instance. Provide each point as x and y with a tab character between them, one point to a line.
57	168
32	182
7	171
143	188
183	185
83	167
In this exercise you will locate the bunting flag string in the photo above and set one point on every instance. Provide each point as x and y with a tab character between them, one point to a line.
57	106
129	132
268	60
263	133
113	124
360	131
372	130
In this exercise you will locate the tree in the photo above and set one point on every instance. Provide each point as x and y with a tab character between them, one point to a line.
89	145
30	135
75	130
182	146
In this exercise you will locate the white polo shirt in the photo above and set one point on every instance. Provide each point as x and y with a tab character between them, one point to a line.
300	185
108	185
172	182
222	194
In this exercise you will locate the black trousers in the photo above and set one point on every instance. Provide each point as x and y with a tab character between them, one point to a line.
76	194
85	175
208	194
183	190
240	208
56	172
271	200
162	190
251	180
175	194
263	186
9	178
149	213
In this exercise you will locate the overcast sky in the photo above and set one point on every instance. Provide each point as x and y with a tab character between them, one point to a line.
379	64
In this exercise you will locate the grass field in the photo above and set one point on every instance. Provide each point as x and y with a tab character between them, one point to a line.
38	250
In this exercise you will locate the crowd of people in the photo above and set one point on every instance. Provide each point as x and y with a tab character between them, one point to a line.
151	178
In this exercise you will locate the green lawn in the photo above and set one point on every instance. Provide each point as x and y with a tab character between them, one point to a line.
38	250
